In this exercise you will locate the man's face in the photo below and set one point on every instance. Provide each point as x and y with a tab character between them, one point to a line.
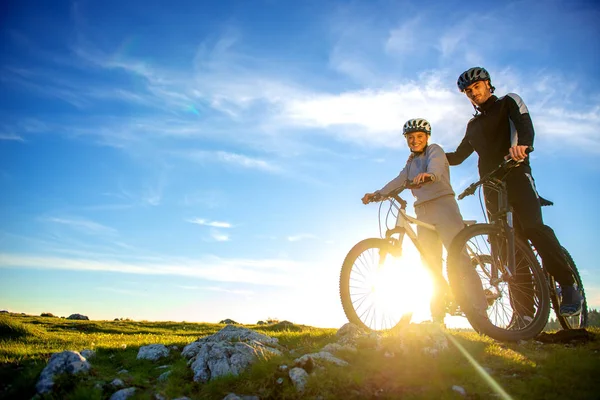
416	141
478	92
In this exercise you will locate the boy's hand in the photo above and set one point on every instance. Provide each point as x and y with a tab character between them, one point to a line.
518	153
367	198
421	178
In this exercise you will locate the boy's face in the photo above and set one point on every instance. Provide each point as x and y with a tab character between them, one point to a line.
479	92
416	141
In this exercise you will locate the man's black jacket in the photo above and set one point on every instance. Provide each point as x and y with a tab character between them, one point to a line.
501	123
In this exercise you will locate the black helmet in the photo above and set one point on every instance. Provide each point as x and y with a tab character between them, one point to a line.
416	125
473	75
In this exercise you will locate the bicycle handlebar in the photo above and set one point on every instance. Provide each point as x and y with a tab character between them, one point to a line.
395	193
506	165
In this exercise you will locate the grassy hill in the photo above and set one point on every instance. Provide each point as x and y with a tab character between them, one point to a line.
527	370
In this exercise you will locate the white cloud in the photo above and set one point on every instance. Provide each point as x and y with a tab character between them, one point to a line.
128	292
83	225
11	136
231	158
403	40
302	236
214	224
219	236
235	92
275	272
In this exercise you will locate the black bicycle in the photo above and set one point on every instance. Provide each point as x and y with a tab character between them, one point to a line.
518	290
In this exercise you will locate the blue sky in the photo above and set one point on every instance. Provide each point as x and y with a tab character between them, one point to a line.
205	160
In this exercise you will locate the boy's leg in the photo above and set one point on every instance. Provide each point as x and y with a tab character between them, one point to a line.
449	223
432	247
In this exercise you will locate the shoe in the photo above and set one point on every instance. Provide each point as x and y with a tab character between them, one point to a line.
571	302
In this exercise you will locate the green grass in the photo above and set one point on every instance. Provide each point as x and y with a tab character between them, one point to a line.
525	371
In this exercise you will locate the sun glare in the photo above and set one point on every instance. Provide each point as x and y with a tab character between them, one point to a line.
403	285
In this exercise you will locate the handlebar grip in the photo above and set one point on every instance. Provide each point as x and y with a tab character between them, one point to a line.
411	185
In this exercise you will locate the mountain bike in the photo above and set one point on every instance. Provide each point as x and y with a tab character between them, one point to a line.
579	320
367	268
519	291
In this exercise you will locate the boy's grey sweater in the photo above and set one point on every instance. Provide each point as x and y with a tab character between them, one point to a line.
433	161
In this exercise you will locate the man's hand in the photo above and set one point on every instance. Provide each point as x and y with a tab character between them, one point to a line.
421	178
368	197
518	153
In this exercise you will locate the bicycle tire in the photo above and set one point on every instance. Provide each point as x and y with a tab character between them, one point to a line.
354	298
574	322
494	325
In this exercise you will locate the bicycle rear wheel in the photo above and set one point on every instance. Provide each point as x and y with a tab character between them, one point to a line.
517	305
575	321
369	287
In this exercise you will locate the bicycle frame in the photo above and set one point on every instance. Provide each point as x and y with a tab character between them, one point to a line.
504	218
403	227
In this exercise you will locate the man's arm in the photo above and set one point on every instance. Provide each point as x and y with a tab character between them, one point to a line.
521	126
463	151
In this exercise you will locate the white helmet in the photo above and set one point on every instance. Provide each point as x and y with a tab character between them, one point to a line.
416	125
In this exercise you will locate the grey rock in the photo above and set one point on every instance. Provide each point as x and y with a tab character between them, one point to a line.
280	381
228	352
333	347
117	383
164	376
349	333
122	371
78	316
153	352
70	362
299	377
232	334
159	396
123	394
460	390
322	355
87	354
216	359
233	396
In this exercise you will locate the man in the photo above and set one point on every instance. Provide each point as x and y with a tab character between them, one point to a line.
503	126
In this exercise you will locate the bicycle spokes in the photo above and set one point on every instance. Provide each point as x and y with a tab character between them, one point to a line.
511	296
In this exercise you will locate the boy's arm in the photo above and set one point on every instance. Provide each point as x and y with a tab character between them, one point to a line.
397	182
463	151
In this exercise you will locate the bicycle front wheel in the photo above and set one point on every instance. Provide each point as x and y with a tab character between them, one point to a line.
370	287
575	321
517	303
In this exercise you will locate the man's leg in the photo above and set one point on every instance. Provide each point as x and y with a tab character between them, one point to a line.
525	201
521	292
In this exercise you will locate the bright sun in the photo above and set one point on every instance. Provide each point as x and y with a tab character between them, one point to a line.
403	285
